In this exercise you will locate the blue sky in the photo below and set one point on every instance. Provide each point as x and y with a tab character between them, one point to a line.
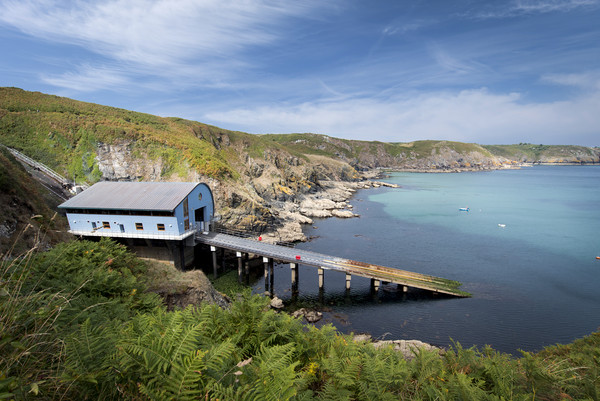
490	72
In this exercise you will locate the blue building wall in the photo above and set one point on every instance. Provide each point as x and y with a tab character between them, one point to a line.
199	199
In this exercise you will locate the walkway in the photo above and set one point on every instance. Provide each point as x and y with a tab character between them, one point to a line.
327	262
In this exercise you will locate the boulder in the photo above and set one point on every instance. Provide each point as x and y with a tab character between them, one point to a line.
311	316
276	303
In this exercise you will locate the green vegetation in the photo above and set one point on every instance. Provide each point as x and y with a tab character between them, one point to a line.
77	324
68	136
544	153
25	206
65	133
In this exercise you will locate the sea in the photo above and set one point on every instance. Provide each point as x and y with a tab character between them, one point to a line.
525	249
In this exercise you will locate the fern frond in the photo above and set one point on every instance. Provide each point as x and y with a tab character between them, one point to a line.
185	376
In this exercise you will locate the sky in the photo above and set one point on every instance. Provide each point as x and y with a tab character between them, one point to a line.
482	71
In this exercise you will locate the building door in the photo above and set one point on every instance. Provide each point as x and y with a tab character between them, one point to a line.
199	217
122	228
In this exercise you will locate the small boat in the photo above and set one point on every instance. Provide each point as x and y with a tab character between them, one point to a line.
598	257
463	209
501	225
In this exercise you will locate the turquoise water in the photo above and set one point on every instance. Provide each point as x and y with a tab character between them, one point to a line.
535	281
553	208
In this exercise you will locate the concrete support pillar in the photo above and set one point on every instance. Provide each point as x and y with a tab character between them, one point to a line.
247	268
294	268
321	278
266	274
223	259
271	276
239	258
348	278
213	250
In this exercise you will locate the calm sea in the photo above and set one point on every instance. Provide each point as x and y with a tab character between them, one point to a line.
526	250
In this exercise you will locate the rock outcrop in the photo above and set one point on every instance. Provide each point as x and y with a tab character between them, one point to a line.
408	348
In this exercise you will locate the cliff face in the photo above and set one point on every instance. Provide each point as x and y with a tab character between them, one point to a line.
551	154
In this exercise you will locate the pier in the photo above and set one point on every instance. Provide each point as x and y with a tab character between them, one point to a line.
270	253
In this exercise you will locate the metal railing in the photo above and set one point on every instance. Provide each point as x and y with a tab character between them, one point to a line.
43	168
247	234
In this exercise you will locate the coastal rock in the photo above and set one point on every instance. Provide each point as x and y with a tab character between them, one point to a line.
408	348
276	303
179	289
311	316
362	338
343	214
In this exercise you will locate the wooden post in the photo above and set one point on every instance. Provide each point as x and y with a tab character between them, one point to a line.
321	278
239	256
375	285
247	267
348	278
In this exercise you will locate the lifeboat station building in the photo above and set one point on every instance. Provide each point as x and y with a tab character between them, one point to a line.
157	220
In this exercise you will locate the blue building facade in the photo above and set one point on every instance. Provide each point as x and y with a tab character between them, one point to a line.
150	210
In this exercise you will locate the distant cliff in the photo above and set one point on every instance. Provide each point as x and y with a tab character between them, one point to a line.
548	154
259	181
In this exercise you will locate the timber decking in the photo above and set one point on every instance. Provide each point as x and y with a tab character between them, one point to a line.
352	267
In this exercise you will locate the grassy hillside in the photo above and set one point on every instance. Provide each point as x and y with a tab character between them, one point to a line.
28	218
64	134
527	152
371	153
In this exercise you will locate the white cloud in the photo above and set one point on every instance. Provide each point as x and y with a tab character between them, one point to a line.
89	78
468	116
586	81
164	37
546	6
523	7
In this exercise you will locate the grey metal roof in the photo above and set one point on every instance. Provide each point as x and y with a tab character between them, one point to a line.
131	196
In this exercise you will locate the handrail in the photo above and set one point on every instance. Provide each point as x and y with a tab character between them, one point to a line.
42	167
251	235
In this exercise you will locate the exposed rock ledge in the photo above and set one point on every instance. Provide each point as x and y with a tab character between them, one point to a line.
408	348
330	201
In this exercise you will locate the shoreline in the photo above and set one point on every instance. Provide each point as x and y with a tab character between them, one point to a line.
332	200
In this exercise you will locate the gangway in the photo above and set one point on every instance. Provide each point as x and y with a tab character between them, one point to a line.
293	256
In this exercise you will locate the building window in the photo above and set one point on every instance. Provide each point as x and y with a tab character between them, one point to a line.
106	224
139	226
186	224
160	227
186	209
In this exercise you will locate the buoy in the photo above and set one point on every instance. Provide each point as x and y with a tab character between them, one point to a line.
298	257
260	238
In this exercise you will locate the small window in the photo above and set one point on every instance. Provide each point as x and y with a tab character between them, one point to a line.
139	226
160	227
186	209
186	224
106	224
